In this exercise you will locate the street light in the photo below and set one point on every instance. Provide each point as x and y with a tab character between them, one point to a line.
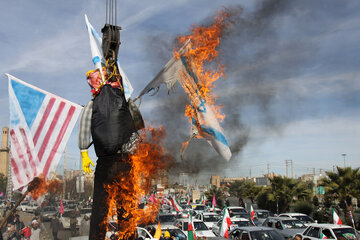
344	155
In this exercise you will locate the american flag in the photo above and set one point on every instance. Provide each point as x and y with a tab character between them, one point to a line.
40	126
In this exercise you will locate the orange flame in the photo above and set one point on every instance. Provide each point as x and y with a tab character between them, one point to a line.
200	55
126	192
40	186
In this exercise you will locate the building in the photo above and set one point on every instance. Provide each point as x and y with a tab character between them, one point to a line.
4	152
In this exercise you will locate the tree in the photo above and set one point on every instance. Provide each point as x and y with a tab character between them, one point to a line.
244	189
3	183
342	187
284	191
219	196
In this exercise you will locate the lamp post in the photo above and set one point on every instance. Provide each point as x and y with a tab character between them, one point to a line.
344	155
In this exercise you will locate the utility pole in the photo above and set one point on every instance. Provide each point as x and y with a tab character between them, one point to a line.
344	155
64	185
289	162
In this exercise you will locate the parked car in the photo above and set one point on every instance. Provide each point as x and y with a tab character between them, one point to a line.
330	231
235	222
255	233
288	227
300	216
28	207
166	219
209	218
200	228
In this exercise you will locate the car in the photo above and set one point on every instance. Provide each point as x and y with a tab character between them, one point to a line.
200	228
261	215
29	207
47	212
175	232
142	233
235	222
288	227
235	211
300	216
255	233
330	231
198	208
167	219
209	218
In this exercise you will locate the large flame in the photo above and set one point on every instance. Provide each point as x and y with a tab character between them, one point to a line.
202	57
126	192
41	186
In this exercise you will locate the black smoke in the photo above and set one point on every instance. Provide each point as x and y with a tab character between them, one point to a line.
262	48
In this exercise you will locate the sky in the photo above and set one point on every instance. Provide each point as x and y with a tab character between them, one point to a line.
291	90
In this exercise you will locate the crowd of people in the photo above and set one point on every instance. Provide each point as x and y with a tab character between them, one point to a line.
15	229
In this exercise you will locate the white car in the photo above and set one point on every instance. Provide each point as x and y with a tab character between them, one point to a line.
209	218
235	222
235	211
28	207
317	231
300	216
200	228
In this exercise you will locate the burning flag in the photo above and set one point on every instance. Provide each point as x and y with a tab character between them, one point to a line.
187	66
40	126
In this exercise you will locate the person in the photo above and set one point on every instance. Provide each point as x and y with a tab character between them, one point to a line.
26	232
7	208
19	225
35	230
55	226
298	237
10	232
73	222
85	226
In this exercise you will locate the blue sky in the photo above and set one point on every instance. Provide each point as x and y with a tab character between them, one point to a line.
292	73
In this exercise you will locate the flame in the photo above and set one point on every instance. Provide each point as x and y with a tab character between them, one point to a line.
202	57
126	192
40	186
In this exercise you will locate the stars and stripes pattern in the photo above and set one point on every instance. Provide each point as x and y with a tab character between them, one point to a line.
40	126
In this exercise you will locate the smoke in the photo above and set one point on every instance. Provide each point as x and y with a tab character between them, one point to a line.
256	92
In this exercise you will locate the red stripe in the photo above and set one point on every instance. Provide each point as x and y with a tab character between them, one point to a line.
50	130
16	171
43	120
59	139
28	151
16	147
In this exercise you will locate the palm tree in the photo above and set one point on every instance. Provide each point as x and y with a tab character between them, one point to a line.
284	191
342	186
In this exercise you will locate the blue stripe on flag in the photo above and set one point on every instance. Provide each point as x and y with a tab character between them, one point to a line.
14	117
191	73
30	100
96	59
213	132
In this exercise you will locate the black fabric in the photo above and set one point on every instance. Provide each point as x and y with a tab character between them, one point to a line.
108	169
111	123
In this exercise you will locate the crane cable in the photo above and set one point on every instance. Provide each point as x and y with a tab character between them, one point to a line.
111	12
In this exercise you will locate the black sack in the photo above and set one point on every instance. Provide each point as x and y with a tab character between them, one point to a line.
111	122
